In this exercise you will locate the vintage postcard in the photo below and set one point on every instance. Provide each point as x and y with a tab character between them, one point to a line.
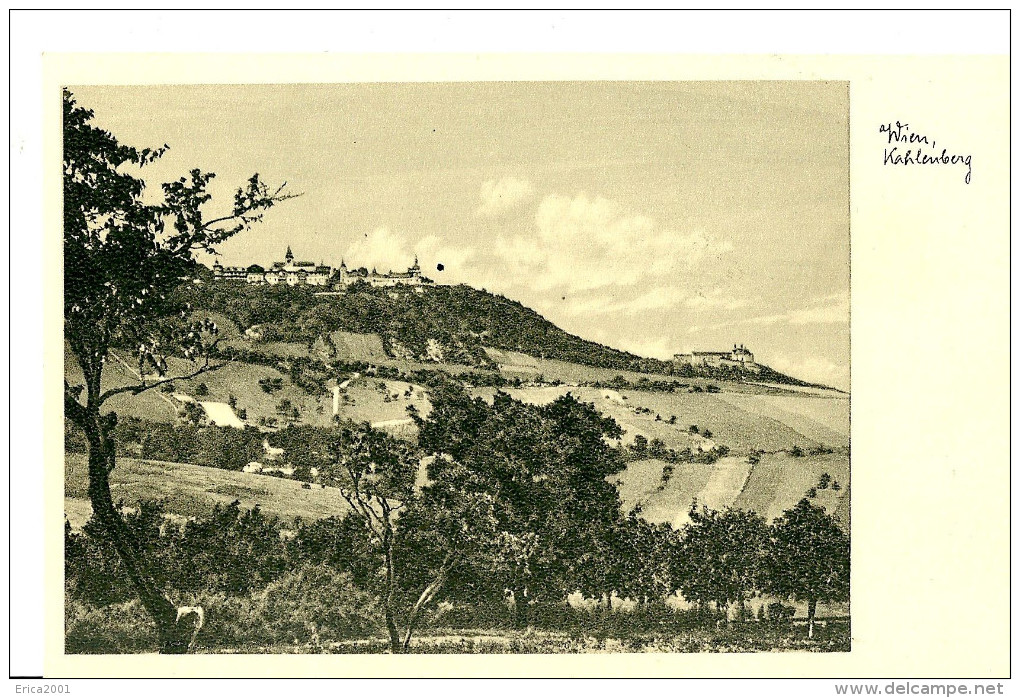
390	363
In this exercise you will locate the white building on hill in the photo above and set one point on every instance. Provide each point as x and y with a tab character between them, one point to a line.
739	357
294	273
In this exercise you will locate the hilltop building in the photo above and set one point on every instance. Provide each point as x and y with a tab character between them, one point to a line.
294	273
411	277
739	357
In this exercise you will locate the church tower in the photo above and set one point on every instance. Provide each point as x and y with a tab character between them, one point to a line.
289	257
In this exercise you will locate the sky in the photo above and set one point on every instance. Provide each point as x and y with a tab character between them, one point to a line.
655	217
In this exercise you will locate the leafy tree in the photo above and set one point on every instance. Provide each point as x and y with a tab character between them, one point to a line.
448	533
545	469
375	475
808	558
642	553
720	557
343	543
123	259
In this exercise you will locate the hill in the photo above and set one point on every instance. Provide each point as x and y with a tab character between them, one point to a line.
191	490
437	324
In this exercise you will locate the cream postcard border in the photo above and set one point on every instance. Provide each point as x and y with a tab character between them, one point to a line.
930	360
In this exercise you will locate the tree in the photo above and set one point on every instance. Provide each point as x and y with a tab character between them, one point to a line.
720	556
123	260
375	475
657	448
808	558
545	470
642	552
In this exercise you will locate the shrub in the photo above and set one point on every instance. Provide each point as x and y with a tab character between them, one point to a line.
201	390
797	452
778	612
115	629
667	473
657	448
271	385
640	444
314	604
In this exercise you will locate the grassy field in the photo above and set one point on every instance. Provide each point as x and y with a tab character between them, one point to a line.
740	420
527	367
125	629
192	489
830	636
769	488
366	401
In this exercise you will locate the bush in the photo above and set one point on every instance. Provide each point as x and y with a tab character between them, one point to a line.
640	444
778	612
115	629
314	604
271	385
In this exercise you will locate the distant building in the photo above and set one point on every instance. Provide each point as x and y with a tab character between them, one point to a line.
294	273
739	357
412	277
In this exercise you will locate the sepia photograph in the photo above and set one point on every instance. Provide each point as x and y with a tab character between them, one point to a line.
477	367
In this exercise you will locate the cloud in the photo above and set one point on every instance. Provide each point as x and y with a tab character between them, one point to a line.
659	348
827	309
657	298
388	250
714	299
581	243
501	195
380	248
814	370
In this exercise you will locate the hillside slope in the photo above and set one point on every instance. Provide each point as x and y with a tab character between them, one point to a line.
768	488
191	490
452	324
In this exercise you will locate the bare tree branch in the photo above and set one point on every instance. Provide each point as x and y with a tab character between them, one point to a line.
142	387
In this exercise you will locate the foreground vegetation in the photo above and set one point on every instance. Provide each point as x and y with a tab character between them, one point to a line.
517	514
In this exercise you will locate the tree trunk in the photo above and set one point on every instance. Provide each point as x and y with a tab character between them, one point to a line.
426	596
174	638
520	608
811	605
391	625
